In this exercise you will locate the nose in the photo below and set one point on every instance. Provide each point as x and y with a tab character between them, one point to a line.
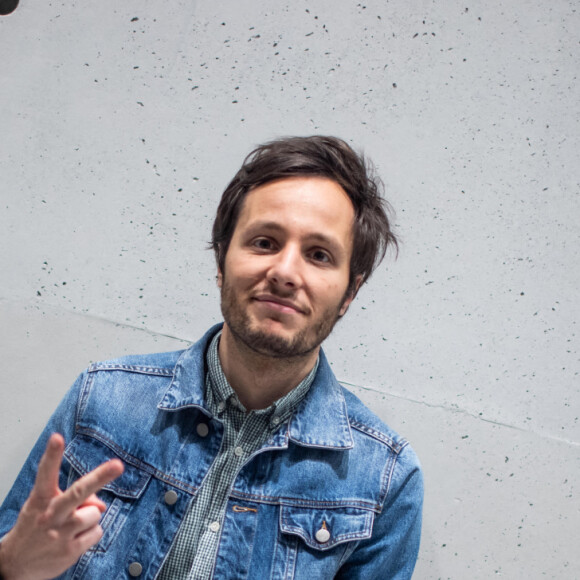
286	267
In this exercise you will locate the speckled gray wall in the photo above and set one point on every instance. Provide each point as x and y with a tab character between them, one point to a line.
120	124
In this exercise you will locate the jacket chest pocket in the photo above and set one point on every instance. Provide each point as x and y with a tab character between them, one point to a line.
316	541
85	454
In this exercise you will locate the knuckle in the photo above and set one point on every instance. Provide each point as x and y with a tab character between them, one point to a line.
53	536
90	514
77	491
75	519
88	539
44	519
95	514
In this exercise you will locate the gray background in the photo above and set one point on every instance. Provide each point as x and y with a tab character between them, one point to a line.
120	125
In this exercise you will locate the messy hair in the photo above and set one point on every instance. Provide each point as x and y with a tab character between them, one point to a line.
316	156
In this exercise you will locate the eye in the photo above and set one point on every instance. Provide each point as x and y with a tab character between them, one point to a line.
321	256
263	244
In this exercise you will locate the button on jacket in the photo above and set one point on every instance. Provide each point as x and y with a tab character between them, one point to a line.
334	493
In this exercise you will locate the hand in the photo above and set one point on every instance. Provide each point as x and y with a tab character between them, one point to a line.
54	528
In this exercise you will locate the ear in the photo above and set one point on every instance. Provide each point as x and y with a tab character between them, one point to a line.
219	278
351	296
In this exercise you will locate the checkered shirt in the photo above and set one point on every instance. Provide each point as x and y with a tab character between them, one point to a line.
194	550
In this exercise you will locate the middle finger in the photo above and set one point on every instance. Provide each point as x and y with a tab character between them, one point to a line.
85	487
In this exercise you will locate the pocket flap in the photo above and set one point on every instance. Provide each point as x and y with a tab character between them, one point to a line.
85	454
324	528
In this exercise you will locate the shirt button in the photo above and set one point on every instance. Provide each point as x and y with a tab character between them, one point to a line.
275	420
202	429
322	535
214	526
135	569
239	451
170	497
221	406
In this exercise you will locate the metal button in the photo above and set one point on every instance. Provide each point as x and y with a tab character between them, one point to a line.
170	497
202	429
135	569
214	526
322	535
239	451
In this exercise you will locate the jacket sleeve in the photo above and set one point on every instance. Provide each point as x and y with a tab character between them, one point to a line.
391	552
62	421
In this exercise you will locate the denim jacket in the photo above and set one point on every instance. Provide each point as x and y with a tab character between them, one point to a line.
334	493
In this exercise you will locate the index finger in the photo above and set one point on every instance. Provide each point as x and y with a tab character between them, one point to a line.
46	483
86	486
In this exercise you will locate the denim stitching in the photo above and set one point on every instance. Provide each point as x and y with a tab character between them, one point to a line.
397	447
158	371
362	534
292	554
388	477
313	504
83	398
131	460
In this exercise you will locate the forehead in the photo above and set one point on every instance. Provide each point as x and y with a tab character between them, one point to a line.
302	205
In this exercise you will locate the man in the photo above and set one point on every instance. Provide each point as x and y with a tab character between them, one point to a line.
241	457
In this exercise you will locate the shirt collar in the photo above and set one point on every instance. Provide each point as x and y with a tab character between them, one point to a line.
219	391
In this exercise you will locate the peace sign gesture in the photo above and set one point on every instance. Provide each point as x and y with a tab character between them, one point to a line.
54	527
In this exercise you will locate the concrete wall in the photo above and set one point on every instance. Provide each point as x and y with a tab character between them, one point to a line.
120	124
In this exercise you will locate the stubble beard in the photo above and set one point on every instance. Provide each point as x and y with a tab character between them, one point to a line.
274	345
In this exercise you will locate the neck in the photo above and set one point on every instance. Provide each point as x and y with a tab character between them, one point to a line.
259	379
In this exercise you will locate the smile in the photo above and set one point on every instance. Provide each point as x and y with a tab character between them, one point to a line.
278	304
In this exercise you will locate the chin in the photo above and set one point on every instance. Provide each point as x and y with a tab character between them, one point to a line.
276	344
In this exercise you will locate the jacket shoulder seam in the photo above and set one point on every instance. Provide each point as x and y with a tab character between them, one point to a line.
396	445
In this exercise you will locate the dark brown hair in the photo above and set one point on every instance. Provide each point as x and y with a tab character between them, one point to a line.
316	156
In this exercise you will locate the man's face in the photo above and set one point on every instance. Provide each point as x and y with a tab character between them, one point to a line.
286	270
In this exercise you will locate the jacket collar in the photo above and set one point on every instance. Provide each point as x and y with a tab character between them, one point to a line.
321	419
187	387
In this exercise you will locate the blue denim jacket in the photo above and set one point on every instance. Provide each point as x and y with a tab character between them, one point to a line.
334	466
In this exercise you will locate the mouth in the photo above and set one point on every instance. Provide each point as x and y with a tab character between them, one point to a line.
278	304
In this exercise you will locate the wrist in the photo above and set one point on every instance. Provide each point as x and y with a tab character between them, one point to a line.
2	576
4	572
